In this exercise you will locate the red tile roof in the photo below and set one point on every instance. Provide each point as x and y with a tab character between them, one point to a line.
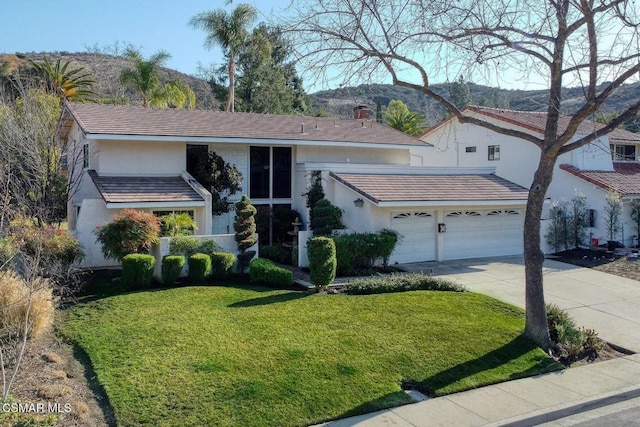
625	178
431	188
138	121
135	189
536	122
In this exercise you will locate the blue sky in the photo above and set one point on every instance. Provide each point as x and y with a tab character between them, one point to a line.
151	25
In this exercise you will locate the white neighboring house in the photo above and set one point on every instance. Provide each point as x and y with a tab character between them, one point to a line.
140	158
610	163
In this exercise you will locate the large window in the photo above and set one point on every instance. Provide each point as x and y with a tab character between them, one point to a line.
270	172
623	153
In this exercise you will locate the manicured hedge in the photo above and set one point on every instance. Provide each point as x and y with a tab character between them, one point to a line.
199	267
222	264
400	282
322	261
137	270
171	268
262	270
359	251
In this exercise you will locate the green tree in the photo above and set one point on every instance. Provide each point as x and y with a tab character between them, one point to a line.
72	84
459	93
398	116
220	178
144	78
230	31
267	81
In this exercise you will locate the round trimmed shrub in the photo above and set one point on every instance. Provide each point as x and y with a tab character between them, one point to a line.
222	264
171	267
322	261
137	270
199	267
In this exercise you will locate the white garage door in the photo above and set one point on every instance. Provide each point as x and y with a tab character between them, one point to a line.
417	236
483	233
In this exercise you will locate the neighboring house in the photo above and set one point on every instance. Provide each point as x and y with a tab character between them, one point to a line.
140	158
610	163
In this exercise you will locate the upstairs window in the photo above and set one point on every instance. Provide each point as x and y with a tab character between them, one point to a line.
270	172
623	153
471	149
494	152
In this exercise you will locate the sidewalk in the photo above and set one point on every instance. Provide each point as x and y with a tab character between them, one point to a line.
524	402
606	303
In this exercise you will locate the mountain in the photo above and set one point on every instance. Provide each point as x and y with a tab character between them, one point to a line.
337	102
106	71
341	101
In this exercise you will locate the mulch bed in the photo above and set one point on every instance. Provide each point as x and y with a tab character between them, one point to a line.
617	263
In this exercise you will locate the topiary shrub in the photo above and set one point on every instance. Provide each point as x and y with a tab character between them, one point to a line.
130	232
326	218
244	225
262	270
171	267
199	267
322	261
137	270
276	253
222	264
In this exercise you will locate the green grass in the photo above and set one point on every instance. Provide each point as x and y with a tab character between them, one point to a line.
252	356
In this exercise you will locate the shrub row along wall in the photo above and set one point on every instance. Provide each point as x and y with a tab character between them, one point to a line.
225	243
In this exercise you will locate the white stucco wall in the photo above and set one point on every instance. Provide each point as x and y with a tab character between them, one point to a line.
518	158
142	158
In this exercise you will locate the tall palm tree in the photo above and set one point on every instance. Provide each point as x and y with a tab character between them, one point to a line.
143	76
75	84
230	31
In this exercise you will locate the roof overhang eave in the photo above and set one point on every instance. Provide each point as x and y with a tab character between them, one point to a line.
151	205
251	141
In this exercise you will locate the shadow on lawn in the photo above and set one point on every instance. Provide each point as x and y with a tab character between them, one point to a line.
494	359
96	387
271	299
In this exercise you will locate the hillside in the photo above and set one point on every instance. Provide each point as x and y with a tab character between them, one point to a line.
341	101
338	102
106	71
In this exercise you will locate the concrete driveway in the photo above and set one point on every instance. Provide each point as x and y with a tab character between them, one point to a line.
604	302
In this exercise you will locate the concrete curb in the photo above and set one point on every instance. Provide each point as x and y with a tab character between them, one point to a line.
546	415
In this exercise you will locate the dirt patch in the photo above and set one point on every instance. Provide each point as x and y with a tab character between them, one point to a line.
54	373
620	263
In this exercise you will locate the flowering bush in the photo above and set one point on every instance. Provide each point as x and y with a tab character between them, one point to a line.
130	232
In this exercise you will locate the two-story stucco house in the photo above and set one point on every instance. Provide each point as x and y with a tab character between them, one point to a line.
132	157
610	163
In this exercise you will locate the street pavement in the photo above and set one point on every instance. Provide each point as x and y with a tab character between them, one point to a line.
600	301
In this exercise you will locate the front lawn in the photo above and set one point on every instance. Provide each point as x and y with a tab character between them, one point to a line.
252	356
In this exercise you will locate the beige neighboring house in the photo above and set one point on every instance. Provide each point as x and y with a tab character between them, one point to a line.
612	162
133	157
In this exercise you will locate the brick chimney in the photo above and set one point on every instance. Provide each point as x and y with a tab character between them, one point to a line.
361	112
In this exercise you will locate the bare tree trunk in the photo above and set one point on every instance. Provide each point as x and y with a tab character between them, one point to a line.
536	314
